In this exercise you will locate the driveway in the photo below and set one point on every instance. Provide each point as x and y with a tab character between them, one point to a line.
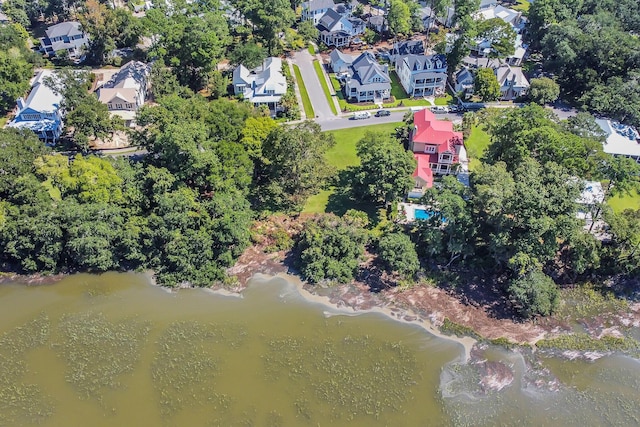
304	60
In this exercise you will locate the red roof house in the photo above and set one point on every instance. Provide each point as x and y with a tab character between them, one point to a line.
436	147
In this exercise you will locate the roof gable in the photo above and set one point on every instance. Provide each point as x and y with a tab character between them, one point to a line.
427	129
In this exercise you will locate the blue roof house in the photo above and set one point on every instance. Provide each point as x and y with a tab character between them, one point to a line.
40	112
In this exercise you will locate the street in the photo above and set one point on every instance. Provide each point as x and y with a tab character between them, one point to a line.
346	121
304	60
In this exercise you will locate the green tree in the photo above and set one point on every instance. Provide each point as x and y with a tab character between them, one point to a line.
270	17
256	130
19	151
90	120
293	167
249	54
543	90
499	34
308	31
486	85
399	17
398	253
331	248
385	169
534	294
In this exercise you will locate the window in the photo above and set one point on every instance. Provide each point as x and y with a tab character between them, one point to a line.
119	106
31	116
429	149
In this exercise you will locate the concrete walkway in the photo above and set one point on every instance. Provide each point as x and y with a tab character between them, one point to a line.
304	60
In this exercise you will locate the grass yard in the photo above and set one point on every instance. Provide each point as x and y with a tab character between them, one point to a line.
522	6
312	50
620	203
400	95
341	156
325	88
306	102
476	145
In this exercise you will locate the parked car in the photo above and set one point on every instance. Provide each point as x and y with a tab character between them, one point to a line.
361	115
383	113
440	109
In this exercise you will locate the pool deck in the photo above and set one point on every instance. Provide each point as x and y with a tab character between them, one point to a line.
410	210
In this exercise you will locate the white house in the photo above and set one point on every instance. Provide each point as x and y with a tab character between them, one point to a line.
126	92
66	36
367	80
422	75
482	48
313	10
264	85
40	112
407	47
513	82
622	140
590	199
339	30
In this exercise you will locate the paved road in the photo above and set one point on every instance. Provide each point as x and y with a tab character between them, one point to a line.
304	60
344	122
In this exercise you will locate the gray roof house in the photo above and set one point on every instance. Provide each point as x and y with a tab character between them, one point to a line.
378	23
339	30
65	36
513	82
340	62
622	140
407	47
422	75
464	81
126	92
367	80
264	85
313	10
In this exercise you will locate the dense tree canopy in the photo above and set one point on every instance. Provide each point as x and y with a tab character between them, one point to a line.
385	169
330	248
16	65
592	47
293	166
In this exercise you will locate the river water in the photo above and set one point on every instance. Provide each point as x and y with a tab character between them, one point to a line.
115	350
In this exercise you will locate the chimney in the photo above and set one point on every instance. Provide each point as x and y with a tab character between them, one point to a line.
20	103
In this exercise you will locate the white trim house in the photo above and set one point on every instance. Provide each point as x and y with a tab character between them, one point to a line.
126	92
66	36
313	10
422	75
264	85
367	80
40	112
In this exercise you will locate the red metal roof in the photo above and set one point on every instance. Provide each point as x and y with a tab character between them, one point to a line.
423	169
428	129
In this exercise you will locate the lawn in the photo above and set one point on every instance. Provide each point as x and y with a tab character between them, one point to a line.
325	87
312	50
306	102
400	95
341	156
522	6
476	145
620	203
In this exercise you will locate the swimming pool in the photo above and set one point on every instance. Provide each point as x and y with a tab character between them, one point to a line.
423	214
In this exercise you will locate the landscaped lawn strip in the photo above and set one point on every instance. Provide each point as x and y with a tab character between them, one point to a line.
306	102
397	91
325	87
624	201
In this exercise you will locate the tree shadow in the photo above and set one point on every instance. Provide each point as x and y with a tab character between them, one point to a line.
341	200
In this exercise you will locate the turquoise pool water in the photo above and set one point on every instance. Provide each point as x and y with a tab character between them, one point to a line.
423	214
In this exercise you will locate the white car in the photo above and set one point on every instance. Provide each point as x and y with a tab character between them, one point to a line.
440	109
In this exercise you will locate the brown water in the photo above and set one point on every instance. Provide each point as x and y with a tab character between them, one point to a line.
114	350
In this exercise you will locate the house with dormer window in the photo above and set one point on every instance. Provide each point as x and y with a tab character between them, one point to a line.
367	80
65	36
126	91
264	85
40	112
422	75
513	82
339	30
437	148
313	10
